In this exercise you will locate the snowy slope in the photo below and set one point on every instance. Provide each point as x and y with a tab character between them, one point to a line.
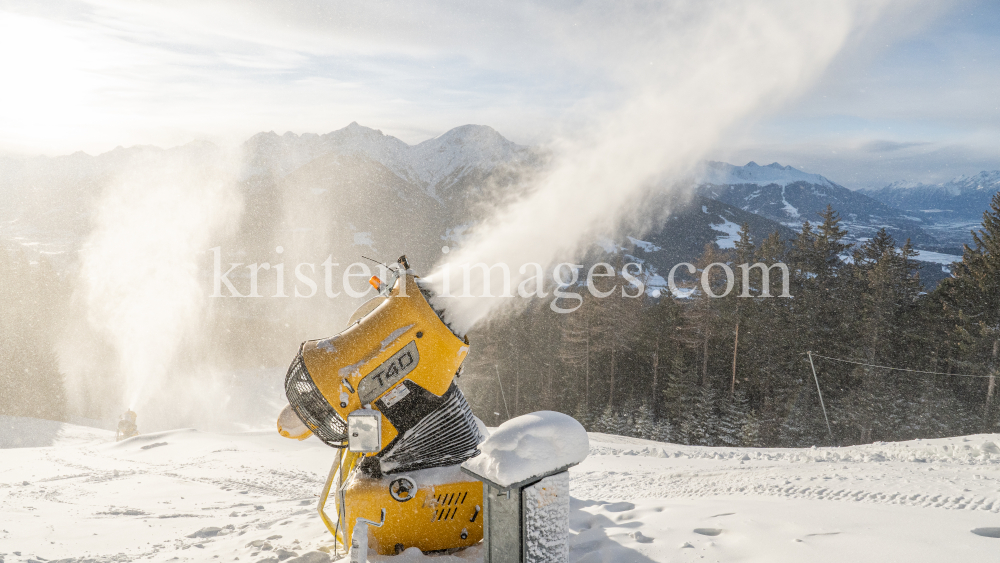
87	499
683	236
912	501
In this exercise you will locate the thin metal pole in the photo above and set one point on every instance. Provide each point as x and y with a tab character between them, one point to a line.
501	391
813	366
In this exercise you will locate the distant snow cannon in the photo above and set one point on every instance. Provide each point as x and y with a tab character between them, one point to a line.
127	427
383	393
523	467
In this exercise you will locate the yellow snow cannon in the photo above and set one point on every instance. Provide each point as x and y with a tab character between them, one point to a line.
383	393
127	427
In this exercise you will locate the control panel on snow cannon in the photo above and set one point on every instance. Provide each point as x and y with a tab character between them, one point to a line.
383	393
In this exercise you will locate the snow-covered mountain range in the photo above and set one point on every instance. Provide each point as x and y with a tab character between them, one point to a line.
723	174
965	197
790	197
950	209
435	164
357	190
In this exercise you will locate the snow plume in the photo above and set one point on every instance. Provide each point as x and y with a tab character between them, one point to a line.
683	74
139	297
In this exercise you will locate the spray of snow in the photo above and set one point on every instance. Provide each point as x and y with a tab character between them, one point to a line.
688	72
140	297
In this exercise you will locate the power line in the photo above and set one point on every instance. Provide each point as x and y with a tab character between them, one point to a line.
895	369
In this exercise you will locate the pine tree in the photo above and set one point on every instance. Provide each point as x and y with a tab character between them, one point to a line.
645	426
972	297
665	431
804	425
701	312
677	393
657	325
744	245
733	419
585	418
613	422
751	431
575	351
700	423
31	384
829	245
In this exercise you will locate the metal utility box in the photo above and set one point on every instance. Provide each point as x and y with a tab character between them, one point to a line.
364	431
527	522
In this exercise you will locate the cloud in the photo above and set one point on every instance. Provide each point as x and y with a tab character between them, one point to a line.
889	146
95	74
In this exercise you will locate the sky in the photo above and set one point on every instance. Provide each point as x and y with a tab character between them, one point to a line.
913	97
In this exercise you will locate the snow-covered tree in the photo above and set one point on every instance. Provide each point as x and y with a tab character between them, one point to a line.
733	418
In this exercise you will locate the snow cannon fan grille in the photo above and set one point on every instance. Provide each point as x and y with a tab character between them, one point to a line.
312	407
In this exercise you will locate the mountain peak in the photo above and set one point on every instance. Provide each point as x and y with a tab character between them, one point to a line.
461	148
355	130
471	131
721	173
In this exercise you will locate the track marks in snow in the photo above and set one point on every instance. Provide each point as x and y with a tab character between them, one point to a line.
652	485
951	474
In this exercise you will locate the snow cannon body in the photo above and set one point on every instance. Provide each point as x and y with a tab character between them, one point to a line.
127	427
433	509
383	393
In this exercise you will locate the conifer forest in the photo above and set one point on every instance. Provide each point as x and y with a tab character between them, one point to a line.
735	371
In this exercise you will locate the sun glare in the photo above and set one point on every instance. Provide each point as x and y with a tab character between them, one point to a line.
51	74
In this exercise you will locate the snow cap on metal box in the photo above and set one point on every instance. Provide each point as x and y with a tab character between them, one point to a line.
528	448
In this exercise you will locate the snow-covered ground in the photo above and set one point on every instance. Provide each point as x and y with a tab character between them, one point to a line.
937	257
71	493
